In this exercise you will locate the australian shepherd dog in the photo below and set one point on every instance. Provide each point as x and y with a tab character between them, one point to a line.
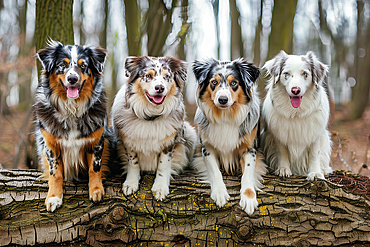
296	113
70	108
227	118
149	118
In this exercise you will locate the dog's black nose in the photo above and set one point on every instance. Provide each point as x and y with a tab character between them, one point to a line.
159	88
72	79
296	90
222	100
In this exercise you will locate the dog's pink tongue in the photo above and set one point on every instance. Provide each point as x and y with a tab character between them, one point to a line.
158	99
296	101
72	92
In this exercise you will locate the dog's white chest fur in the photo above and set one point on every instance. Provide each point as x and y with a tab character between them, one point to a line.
148	136
224	137
71	153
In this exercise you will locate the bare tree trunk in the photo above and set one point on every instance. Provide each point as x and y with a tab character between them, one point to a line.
236	47
291	212
104	32
216	7
257	39
25	87
325	30
158	26
281	36
361	91
133	26
180	52
54	20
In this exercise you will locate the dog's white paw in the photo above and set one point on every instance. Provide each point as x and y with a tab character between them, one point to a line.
53	203
283	172
130	187
313	175
97	194
248	204
220	196
160	191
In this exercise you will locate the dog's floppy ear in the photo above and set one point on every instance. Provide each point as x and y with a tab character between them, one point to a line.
248	71
98	56
179	68
133	65
46	56
202	68
274	66
318	69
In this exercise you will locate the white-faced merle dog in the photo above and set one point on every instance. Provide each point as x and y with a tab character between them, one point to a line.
149	118
227	117
70	109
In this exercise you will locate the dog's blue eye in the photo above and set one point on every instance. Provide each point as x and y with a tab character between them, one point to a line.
167	76
286	74
214	82
233	83
305	74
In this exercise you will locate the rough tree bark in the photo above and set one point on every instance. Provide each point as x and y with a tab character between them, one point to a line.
292	212
54	20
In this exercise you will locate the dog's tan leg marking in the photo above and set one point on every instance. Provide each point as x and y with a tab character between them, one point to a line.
96	189
249	193
55	193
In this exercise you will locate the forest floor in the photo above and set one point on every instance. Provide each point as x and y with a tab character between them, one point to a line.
354	139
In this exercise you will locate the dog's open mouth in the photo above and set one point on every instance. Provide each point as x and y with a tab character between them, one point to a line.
296	101
72	92
156	99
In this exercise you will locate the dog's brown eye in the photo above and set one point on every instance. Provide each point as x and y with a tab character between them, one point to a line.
83	66
63	65
233	83
149	76
214	82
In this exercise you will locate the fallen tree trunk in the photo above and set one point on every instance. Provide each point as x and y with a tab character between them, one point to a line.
292	212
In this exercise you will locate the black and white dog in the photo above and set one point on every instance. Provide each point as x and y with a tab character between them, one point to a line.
70	109
149	118
296	113
227	117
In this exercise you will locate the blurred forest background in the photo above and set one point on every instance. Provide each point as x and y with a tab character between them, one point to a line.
338	31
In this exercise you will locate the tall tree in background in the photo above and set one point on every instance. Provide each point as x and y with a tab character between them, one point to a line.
216	7
54	19
180	52
281	36
133	27
236	45
361	91
24	91
158	26
257	37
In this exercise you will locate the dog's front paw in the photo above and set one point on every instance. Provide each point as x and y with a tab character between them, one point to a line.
96	194
53	203
248	201
160	191
220	195
130	187
283	172
313	175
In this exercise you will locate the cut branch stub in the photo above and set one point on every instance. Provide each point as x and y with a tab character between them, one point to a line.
291	212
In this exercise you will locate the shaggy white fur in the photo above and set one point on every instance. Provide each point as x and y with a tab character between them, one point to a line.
296	113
